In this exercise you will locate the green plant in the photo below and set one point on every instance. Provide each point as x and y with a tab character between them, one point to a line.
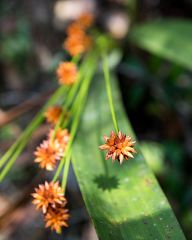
124	201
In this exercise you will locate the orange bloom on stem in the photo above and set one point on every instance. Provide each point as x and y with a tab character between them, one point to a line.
75	29
86	20
67	73
56	219
52	114
47	154
61	137
77	44
118	147
48	195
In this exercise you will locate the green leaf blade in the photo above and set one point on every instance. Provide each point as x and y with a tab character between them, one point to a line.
170	39
124	201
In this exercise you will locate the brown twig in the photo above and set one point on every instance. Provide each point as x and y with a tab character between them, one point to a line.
15	112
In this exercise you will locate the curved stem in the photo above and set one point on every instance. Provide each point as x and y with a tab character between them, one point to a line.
66	171
109	92
14	151
80	100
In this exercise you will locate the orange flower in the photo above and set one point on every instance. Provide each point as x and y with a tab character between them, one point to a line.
118	146
56	219
61	137
48	195
52	114
67	73
48	153
86	20
75	29
78	44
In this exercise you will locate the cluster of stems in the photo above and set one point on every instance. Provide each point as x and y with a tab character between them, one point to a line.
71	97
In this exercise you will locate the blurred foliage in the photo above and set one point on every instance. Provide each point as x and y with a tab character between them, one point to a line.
8	132
154	155
167	38
16	45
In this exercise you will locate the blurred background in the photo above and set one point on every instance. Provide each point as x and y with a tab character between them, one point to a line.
157	96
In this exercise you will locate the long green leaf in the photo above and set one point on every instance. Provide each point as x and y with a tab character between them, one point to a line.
170	39
124	201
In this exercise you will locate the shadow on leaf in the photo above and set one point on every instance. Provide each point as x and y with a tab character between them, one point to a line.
105	182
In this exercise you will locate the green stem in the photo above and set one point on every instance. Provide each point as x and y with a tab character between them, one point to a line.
70	98
57	126
66	171
73	93
82	72
76	59
81	101
8	154
11	161
109	92
68	148
15	150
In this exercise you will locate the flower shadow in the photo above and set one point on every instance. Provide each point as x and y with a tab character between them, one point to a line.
106	182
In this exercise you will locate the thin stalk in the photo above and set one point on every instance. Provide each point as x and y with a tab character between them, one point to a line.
81	101
11	161
8	153
82	71
21	142
76	59
72	134
76	101
68	148
66	171
72	93
57	126
109	92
